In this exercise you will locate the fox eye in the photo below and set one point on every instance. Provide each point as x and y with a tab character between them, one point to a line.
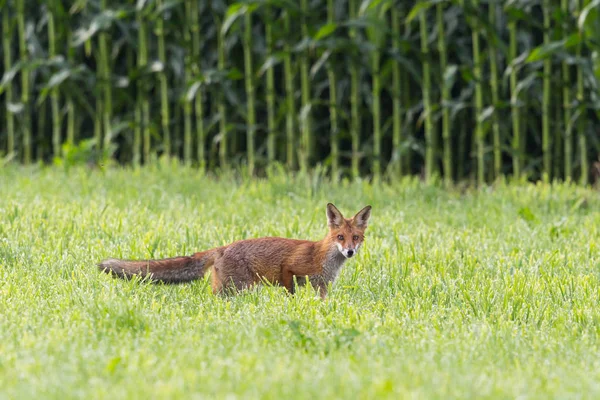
340	237
355	237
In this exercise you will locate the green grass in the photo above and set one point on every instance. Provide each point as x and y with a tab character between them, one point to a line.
489	294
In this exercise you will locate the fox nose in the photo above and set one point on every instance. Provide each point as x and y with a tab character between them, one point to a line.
350	253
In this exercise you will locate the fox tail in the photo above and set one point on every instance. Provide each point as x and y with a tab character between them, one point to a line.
167	270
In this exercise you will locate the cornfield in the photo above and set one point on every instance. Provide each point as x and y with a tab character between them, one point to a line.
456	89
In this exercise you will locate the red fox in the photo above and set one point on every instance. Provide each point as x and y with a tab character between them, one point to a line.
245	263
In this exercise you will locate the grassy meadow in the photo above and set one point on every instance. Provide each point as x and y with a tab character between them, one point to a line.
457	294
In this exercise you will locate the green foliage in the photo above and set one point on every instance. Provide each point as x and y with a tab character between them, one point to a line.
191	80
86	152
455	295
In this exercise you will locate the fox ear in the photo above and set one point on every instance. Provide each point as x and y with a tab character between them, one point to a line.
362	217
334	216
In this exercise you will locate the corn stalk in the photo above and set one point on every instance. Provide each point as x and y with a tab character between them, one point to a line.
198	105
24	55
354	98
41	128
514	101
305	142
221	102
568	150
69	102
376	93
445	96
289	94
10	121
142	107
546	145
495	95
105	73
396	97
187	102
333	117
54	98
165	118
581	119
479	133
426	90
250	112
376	36
271	126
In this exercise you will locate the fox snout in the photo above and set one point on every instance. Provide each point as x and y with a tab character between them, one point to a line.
348	252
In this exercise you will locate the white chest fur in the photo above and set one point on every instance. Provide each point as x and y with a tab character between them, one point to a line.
331	270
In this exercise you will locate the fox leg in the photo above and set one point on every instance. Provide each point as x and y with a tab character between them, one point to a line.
216	283
222	282
300	272
231	276
322	289
316	281
287	280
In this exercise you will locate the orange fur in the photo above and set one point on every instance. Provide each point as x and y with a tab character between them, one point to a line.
245	263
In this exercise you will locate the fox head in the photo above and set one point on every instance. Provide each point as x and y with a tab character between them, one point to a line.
347	234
